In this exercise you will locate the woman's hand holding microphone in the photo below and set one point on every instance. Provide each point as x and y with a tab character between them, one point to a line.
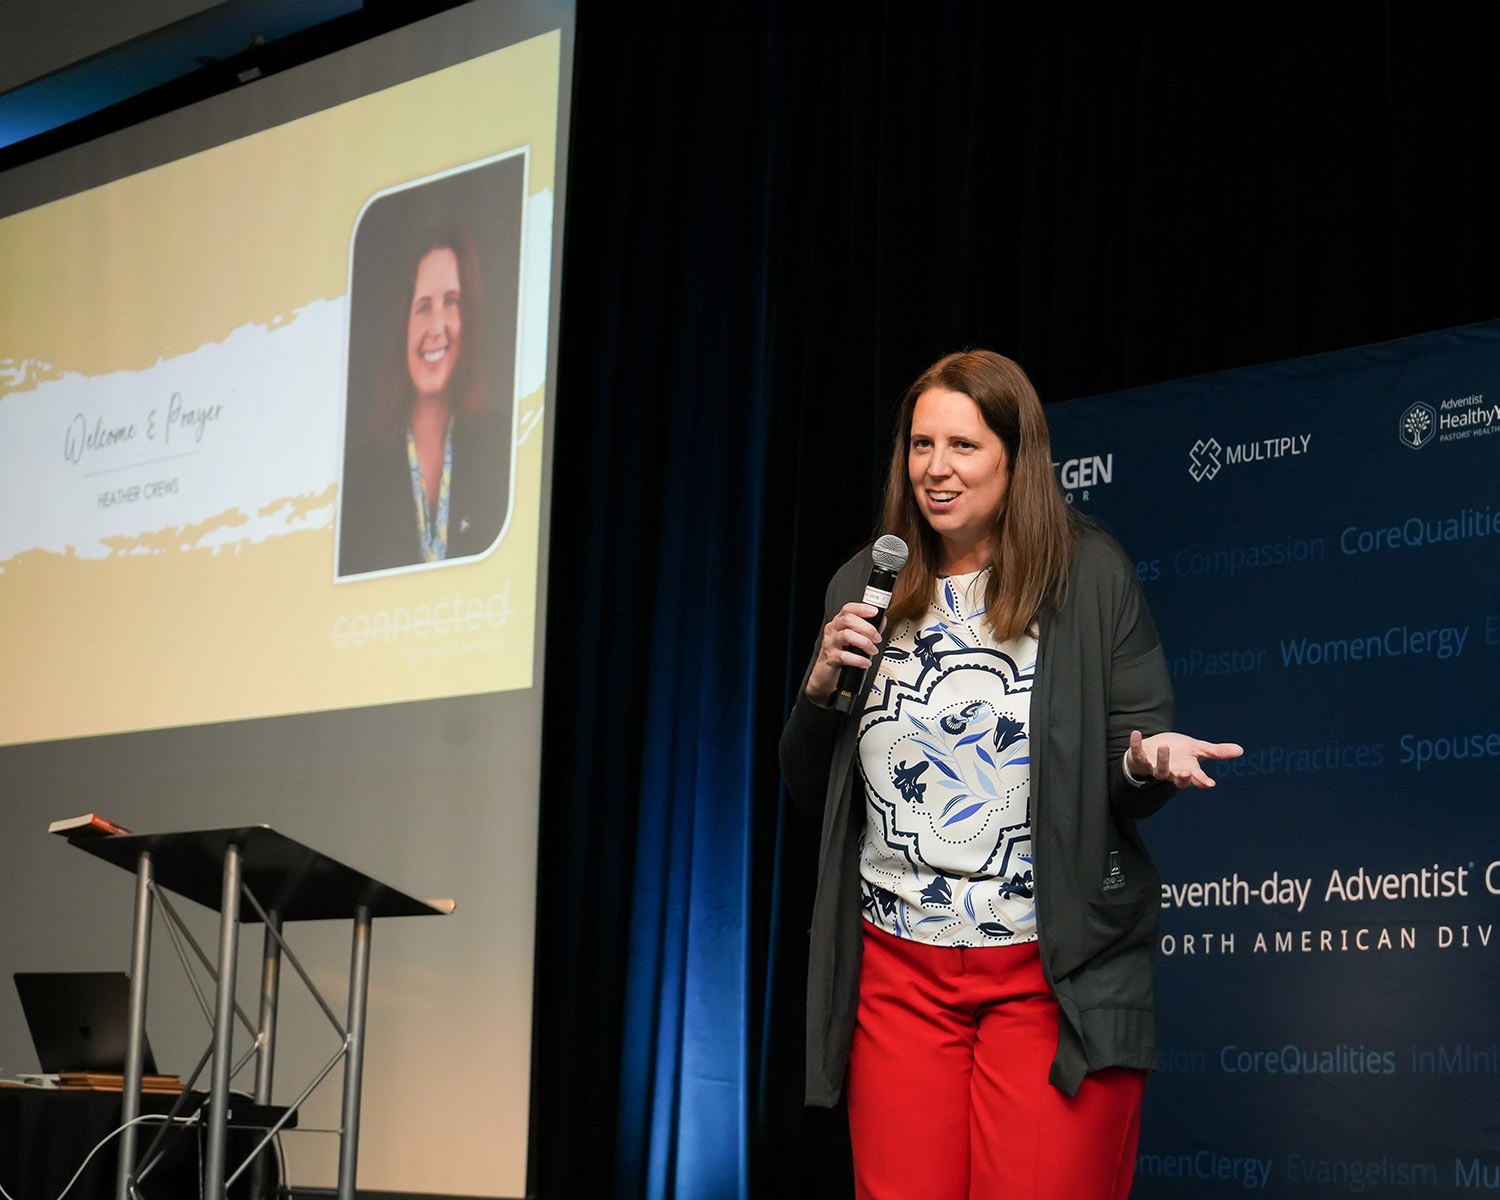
849	640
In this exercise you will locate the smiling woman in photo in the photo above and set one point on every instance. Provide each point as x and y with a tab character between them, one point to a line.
421	487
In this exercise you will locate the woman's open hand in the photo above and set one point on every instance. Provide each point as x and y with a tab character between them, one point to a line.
1175	756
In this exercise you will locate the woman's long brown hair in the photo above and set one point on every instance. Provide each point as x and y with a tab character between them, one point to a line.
393	398
1034	531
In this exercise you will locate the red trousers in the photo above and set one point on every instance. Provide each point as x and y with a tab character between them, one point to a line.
948	1092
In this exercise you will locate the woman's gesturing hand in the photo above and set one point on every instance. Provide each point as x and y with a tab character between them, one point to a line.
1175	756
849	640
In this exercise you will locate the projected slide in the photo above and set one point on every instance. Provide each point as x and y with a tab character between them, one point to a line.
271	435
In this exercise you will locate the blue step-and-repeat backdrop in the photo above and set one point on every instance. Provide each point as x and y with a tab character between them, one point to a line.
1320	544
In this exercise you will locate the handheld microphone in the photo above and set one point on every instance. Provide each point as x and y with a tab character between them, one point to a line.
889	556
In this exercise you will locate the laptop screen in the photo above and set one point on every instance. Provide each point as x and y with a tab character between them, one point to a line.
79	1020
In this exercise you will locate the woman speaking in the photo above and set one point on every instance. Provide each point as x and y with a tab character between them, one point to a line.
980	977
427	483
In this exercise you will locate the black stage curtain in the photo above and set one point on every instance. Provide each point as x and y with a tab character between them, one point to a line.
778	214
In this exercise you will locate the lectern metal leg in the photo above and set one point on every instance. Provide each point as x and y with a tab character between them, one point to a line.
270	991
140	957
218	1095
265	1055
354	1062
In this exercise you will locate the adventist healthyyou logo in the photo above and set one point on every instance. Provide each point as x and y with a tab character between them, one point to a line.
1207	458
1456	419
1418	424
1204	459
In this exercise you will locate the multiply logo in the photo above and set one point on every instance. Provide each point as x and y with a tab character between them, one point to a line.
1418	424
1204	459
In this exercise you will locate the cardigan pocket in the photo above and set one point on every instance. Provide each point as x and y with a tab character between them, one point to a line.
1120	925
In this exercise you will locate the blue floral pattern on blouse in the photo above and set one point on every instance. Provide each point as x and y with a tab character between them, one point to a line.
945	758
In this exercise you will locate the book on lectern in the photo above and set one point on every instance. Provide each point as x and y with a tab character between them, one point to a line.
88	825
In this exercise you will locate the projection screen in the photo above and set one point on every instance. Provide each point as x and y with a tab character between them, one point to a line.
243	582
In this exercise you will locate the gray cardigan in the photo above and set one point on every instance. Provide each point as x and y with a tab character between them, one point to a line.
1100	673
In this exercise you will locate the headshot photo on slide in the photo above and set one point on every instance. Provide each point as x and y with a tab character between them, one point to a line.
430	379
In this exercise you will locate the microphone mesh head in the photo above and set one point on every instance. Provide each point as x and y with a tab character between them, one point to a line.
889	553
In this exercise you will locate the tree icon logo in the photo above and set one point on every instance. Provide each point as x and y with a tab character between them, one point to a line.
1418	424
